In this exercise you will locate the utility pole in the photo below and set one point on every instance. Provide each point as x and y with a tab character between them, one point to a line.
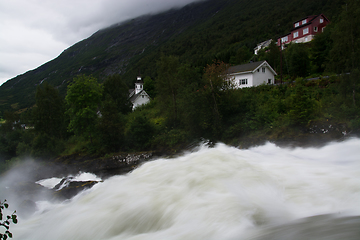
281	63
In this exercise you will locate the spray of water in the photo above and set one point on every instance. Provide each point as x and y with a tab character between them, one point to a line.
213	193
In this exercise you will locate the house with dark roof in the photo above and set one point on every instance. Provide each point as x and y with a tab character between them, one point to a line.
304	30
252	74
138	96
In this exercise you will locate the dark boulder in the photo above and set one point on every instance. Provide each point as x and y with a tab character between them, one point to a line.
72	189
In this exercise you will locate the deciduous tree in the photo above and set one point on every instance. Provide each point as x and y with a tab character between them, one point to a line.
10	135
320	48
216	84
115	104
83	98
297	59
345	54
167	87
116	91
149	86
49	113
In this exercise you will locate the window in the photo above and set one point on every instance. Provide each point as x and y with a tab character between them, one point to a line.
296	34
304	21
243	81
263	69
297	24
284	39
305	31
321	20
315	29
269	81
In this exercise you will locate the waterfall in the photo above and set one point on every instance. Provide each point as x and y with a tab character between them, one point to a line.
214	193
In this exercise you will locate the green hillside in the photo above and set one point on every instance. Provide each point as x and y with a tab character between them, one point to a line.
225	30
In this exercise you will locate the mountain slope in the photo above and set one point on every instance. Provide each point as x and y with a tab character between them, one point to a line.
198	33
106	52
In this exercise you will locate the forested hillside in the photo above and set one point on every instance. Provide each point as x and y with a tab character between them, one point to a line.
225	30
83	108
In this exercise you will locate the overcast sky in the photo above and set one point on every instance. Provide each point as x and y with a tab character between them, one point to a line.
34	32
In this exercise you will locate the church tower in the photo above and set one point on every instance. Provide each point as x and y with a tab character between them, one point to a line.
138	96
139	84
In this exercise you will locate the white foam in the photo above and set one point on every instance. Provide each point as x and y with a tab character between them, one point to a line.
219	193
84	176
49	183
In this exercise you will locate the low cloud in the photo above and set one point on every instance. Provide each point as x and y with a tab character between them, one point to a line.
36	31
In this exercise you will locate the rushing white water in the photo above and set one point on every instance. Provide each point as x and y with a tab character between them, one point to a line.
217	193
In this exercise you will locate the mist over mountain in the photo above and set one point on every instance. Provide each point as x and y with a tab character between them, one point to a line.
198	33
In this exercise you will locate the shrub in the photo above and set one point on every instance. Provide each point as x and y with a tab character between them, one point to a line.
6	223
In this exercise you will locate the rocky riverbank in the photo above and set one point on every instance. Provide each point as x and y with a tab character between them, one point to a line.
19	185
317	134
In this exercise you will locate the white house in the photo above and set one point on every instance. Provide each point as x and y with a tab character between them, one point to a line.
262	45
252	74
138	96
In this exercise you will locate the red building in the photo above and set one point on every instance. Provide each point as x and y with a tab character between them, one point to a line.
304	30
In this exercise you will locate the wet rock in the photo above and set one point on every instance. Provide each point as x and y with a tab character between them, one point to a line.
102	166
72	189
63	183
332	130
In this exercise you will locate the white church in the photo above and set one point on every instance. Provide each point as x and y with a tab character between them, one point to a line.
138	96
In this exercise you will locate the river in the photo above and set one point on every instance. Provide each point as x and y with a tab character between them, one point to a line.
264	192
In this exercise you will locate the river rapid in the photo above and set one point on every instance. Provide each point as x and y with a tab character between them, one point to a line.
264	192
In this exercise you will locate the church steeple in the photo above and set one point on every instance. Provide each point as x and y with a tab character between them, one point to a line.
138	85
139	96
